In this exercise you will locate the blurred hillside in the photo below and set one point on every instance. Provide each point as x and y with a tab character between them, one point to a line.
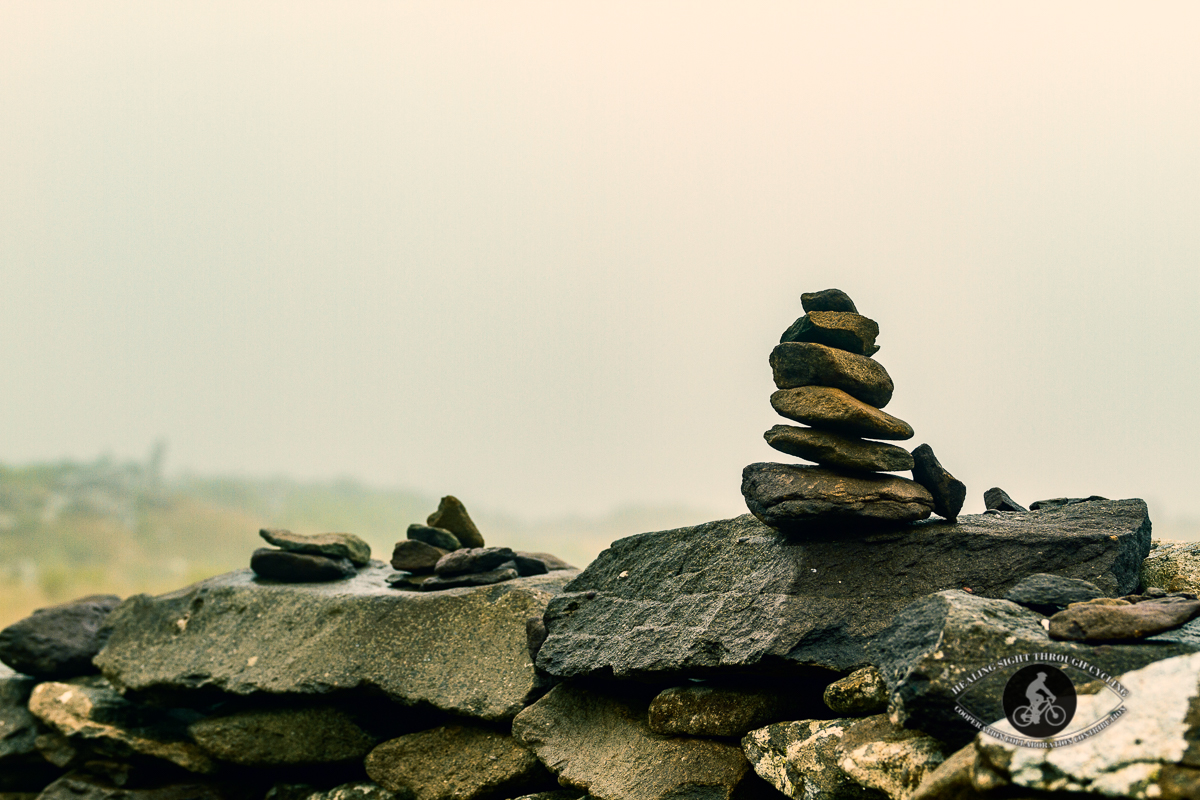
72	529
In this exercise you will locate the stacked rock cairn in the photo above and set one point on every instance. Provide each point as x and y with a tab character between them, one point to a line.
828	380
448	552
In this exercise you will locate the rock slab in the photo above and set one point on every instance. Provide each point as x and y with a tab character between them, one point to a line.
60	641
790	496
281	736
834	450
797	364
290	567
331	545
737	596
460	650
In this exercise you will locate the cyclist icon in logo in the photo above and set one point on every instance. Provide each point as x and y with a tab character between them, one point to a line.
1041	701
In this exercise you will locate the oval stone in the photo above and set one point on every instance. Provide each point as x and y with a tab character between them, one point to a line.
834	450
830	409
808	364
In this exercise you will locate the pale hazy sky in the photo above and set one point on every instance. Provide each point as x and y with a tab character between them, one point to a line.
537	254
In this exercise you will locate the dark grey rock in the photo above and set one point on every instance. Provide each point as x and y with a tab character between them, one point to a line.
797	364
91	716
452	516
456	762
948	492
844	330
602	744
415	556
282	565
735	596
927	654
83	786
437	537
1094	622
827	300
474	559
460	650
440	582
834	450
330	545
22	768
1047	594
552	562
357	790
726	710
1063	501
60	641
790	496
996	499
527	565
830	409
282	736
859	694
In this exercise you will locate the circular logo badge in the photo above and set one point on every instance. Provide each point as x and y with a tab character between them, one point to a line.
1039	700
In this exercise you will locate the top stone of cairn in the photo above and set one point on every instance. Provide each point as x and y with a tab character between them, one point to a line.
827	300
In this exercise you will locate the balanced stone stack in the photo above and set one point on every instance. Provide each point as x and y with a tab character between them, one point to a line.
828	380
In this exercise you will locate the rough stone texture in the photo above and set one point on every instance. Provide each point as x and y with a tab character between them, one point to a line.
831	409
330	545
844	330
82	786
1047	594
452	516
703	710
438	537
282	565
951	780
796	364
948	492
834	450
359	790
603	745
827	300
1062	501
859	694
439	582
415	556
22	767
60	641
456	763
1150	752
89	712
787	496
278	736
552	562
474	559
461	650
938	641
997	499
840	759
527	565
736	595
1104	623
1173	566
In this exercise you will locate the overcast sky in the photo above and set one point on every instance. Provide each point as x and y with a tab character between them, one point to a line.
537	254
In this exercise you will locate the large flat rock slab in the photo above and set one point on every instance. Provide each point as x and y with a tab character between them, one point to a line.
737	596
459	650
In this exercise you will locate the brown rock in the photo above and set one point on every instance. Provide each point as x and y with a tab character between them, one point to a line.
456	762
279	736
827	300
861	693
830	409
948	491
289	567
452	516
835	450
415	556
841	329
331	545
699	710
806	364
787	496
1096	622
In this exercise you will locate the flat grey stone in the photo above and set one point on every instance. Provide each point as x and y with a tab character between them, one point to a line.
58	642
1048	594
437	537
440	582
460	650
790	497
289	567
834	450
415	556
797	364
737	597
1062	501
331	545
831	409
726	710
844	330
947	491
473	559
282	736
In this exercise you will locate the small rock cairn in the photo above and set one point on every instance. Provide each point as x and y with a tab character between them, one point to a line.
828	380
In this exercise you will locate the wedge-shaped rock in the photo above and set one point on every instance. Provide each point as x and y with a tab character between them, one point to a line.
789	496
841	329
843	759
60	641
461	650
456	762
603	745
734	596
804	364
833	410
931	651
330	545
831	449
948	492
89	712
452	516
